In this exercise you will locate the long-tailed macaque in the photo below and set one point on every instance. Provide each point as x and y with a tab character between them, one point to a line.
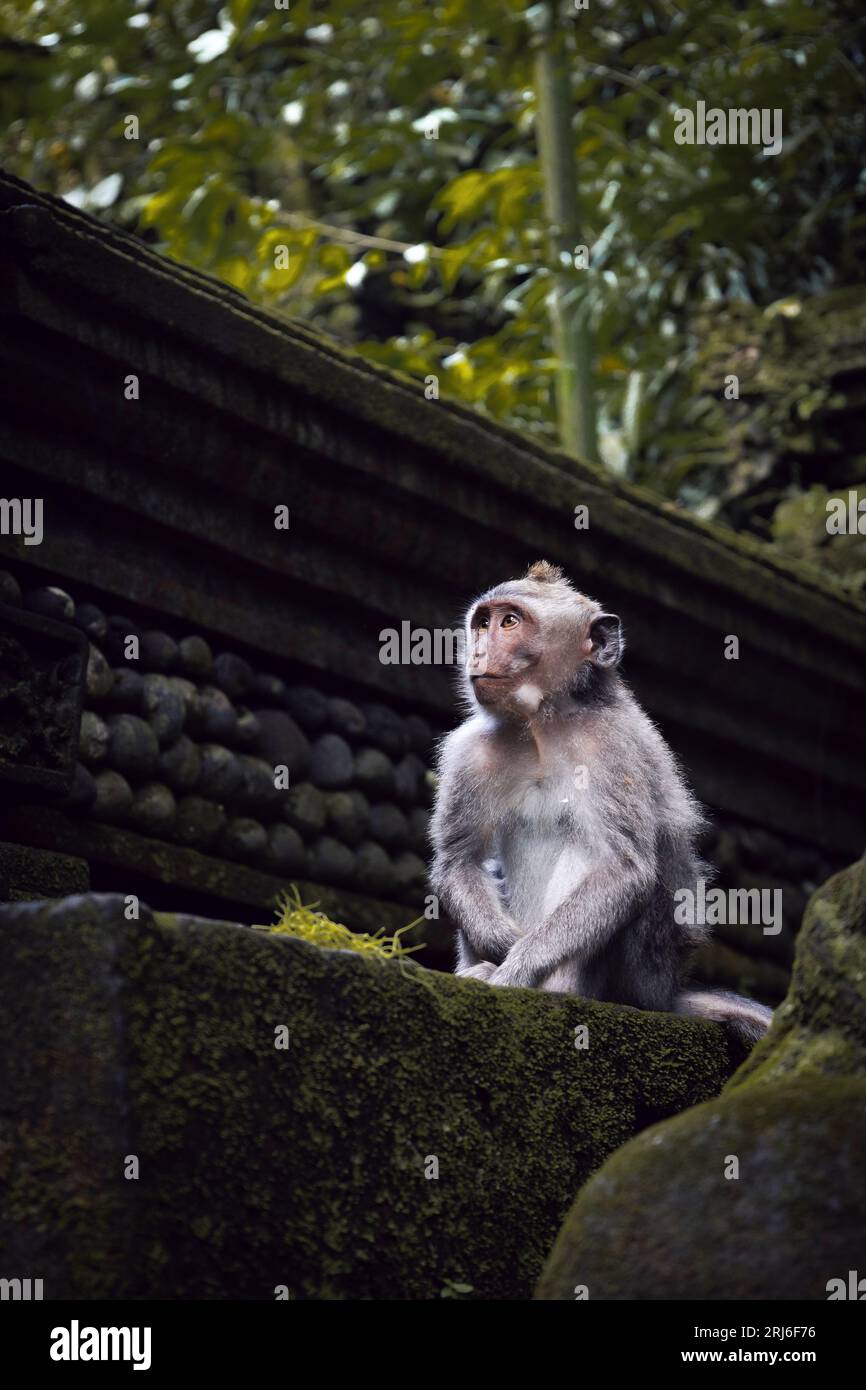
562	826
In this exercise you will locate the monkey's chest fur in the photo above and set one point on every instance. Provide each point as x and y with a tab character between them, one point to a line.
543	843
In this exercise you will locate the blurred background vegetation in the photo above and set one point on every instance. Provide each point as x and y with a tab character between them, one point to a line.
371	166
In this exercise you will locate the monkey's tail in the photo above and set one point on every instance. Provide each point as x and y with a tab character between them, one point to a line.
746	1019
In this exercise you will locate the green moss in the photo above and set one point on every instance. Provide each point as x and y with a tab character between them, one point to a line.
821	1027
663	1221
306	1166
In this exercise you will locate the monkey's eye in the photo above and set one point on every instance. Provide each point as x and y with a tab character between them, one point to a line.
482	622
510	620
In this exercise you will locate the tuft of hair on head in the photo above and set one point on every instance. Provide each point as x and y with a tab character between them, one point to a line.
544	572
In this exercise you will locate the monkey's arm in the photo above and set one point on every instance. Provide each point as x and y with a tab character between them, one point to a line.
607	899
469	896
466	891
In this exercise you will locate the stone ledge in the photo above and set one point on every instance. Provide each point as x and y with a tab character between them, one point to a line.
303	1167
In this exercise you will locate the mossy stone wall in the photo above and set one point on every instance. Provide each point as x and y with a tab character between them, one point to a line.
304	1167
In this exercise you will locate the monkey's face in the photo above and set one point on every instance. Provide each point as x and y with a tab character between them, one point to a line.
505	648
527	647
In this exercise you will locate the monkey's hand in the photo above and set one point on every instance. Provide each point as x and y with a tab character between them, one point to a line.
515	971
482	971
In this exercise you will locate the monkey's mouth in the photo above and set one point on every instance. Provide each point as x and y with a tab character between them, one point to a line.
479	682
492	690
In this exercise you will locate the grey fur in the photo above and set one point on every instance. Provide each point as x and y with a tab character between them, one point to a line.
744	1016
552	884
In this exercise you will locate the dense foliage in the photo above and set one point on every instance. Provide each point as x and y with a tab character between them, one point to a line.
373	168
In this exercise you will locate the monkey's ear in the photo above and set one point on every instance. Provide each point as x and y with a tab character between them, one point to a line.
608	643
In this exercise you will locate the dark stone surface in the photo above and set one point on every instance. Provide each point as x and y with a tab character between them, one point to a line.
268	690
373	773
409	779
82	793
330	861
280	742
247	729
199	822
345	718
186	689
10	590
261	1166
100	678
307	706
305	808
93	739
132	748
388	826
348	816
331	765
92	621
127	690
243	838
194	658
51	602
42	673
386	729
420	735
113	795
256	790
285	851
164	709
158	651
410	874
212	715
153	810
221	773
419	831
233	674
180	765
27	874
374	871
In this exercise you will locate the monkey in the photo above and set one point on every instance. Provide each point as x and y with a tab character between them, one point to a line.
562	824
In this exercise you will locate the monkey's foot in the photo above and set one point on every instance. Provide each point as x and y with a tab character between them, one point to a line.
482	971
